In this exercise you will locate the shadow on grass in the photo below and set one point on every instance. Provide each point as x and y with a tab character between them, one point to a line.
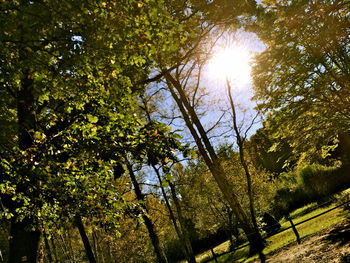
234	256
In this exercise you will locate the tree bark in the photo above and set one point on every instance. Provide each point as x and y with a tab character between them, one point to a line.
24	243
240	143
79	223
54	249
65	249
296	233
161	258
48	249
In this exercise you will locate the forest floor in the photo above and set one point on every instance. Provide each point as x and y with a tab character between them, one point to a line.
331	245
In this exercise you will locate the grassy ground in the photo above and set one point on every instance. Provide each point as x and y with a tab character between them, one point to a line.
283	239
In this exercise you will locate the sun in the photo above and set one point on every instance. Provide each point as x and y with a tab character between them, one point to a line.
231	62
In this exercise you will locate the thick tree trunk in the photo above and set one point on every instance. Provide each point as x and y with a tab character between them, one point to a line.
254	238
90	255
161	258
24	243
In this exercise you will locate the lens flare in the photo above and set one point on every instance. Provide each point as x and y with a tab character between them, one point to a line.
231	62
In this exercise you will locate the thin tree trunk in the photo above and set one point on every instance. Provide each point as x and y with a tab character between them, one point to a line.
161	258
183	236
180	233
212	161
213	254
79	223
94	244
99	254
54	248
48	248
65	249
230	229
296	233
41	252
68	238
240	143
186	236
171	213
110	254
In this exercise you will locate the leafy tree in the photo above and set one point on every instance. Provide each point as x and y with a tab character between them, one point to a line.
302	78
67	71
269	153
203	202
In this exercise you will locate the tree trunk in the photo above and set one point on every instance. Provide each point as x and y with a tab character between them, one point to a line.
68	237
48	249
213	254
186	238
295	231
54	249
212	161
85	239
94	244
161	258
24	243
65	250
240	143
231	230
180	233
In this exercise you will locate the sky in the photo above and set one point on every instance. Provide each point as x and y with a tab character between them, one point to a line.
215	85
239	50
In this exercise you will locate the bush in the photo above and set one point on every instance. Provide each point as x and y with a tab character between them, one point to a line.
287	200
312	183
316	180
320	181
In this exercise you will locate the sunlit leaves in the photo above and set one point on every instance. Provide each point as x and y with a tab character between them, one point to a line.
84	61
302	77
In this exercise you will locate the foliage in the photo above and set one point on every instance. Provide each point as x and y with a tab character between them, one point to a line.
203	201
269	153
69	73
302	78
306	184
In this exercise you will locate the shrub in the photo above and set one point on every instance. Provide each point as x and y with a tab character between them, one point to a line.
321	181
311	183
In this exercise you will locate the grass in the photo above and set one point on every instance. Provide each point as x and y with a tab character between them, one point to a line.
280	240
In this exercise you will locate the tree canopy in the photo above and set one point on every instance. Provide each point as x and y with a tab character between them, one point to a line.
302	78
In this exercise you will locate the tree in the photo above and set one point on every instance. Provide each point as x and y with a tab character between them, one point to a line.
68	71
269	153
184	93
302	78
240	140
203	202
